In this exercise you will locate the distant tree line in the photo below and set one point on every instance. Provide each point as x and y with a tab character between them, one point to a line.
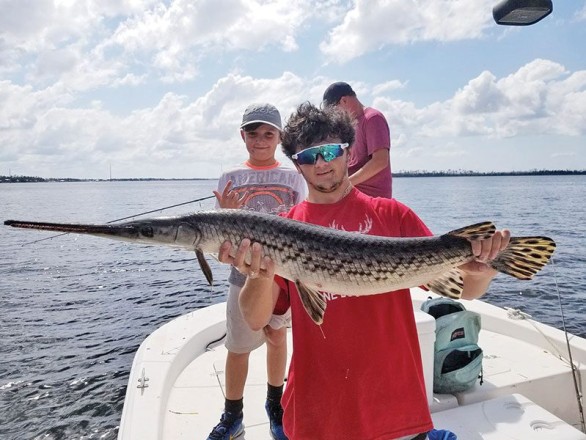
19	179
418	173
452	173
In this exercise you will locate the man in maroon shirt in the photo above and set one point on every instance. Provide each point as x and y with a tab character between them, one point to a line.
369	164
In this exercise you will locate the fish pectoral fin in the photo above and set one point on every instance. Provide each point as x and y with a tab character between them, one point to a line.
449	284
205	267
524	256
477	231
313	302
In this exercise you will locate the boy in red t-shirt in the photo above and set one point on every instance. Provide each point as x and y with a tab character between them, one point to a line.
359	374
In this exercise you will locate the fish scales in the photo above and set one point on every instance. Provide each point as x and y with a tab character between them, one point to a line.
338	261
318	259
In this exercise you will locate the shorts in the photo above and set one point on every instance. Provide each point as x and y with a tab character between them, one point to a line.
240	338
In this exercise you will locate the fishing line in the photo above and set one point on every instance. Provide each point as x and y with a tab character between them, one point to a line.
572	366
518	314
126	218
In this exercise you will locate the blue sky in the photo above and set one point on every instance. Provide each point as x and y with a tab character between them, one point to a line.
157	88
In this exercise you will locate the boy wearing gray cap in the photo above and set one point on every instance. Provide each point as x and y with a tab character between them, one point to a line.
260	184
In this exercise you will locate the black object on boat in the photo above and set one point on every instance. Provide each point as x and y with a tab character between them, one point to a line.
521	12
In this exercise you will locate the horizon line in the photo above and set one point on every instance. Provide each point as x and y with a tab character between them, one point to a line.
419	173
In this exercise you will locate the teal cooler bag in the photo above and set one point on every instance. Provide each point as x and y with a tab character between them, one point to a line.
457	356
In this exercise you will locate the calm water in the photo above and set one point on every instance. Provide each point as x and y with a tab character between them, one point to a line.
74	309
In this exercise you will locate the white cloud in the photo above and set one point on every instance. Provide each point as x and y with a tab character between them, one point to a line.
71	71
46	42
480	95
388	86
129	79
368	26
580	15
43	129
103	42
540	98
179	35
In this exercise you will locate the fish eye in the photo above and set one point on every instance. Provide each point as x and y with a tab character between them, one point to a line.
147	231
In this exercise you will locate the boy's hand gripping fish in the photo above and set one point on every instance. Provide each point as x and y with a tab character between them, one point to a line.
317	258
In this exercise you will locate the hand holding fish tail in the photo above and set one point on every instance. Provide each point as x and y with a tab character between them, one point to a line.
478	274
485	250
488	249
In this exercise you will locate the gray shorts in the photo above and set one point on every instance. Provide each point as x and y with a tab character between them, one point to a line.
240	338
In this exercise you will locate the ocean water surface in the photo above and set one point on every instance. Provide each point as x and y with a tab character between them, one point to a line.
74	309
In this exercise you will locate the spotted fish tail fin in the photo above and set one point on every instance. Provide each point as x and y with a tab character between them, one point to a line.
524	256
522	259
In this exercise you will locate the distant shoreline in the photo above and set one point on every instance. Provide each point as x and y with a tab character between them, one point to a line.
451	173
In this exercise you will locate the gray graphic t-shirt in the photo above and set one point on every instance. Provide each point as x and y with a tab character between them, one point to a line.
271	189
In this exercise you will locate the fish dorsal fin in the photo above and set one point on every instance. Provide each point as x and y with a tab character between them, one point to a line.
478	231
449	284
524	256
313	302
205	267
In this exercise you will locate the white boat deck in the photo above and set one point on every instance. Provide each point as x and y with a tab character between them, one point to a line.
189	413
528	391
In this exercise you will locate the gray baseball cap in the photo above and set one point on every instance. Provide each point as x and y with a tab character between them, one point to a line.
262	113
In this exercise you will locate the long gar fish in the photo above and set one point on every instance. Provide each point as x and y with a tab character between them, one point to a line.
318	259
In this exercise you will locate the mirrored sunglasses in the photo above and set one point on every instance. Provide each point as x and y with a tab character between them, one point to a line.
327	151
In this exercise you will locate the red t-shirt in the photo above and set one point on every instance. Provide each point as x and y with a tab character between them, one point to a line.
357	376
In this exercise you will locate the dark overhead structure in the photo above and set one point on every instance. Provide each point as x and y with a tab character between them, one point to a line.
521	12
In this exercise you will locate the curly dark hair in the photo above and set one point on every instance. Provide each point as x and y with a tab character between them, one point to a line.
310	124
